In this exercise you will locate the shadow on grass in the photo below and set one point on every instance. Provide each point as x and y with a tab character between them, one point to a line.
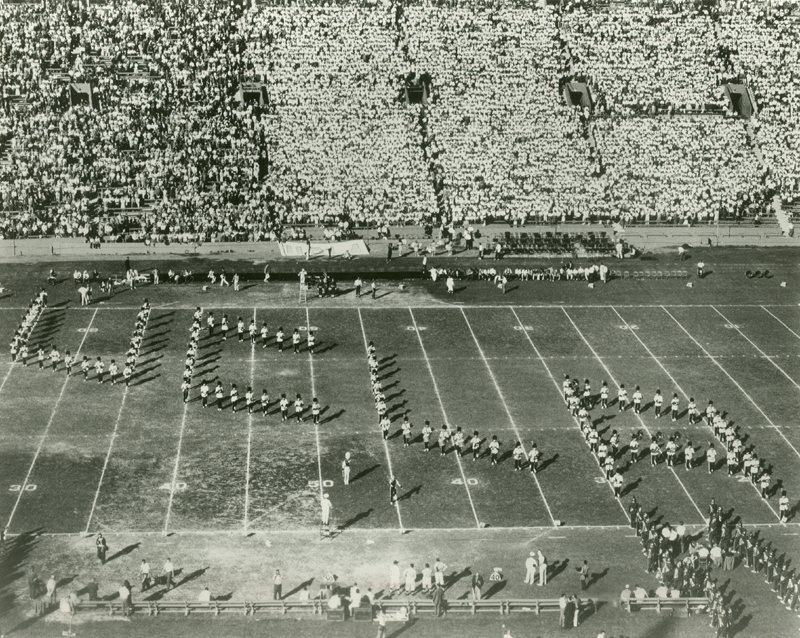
300	587
355	519
123	552
406	626
496	588
364	473
413	491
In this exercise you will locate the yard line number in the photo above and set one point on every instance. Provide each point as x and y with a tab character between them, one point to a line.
30	487
458	481
178	486
325	483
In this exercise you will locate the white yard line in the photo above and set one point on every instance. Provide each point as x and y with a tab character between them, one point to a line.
47	427
735	382
175	470
681	390
111	445
385	444
510	417
314	393
5	378
417	530
764	354
105	464
444	415
559	391
249	433
780	322
172	306
638	416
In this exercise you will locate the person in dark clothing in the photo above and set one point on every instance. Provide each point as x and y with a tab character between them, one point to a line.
439	601
91	589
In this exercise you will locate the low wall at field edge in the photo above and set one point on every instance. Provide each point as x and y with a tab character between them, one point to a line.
643	237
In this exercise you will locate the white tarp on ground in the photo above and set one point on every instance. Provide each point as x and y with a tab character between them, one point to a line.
324	249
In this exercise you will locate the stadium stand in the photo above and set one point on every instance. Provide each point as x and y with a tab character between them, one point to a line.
131	121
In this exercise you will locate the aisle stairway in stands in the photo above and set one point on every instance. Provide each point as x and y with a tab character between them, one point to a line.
5	151
427	142
783	216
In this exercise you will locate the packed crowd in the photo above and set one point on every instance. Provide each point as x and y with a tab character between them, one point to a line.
688	170
497	131
764	47
165	130
637	58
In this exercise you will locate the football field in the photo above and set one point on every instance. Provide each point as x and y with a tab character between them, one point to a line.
81	457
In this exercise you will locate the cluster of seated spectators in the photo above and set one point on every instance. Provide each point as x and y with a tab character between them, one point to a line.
166	146
763	45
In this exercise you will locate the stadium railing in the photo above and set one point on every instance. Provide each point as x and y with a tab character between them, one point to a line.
685	605
318	607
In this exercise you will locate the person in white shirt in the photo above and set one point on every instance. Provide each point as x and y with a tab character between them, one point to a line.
530	569
326	509
205	595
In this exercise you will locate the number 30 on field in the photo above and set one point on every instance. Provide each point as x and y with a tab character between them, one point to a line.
30	487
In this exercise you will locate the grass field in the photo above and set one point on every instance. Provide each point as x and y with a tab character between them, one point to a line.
80	457
91	457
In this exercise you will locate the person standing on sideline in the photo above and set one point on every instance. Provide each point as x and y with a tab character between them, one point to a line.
326	509
124	597
277	585
701	267
346	469
450	285
410	577
358	283
439	568
542	569
91	589
389	250
530	569
477	584
373	288
438	601
381	620
169	573
562	611
102	548
52	590
394	578
583	572
576	610
144	574
427	578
